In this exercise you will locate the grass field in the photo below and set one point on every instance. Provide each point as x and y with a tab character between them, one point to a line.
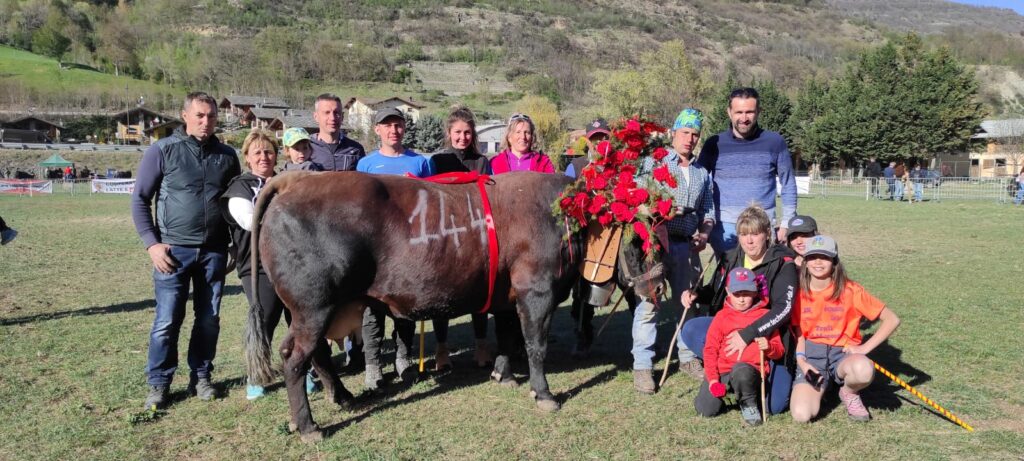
76	304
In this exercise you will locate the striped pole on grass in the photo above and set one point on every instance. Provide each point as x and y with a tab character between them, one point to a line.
921	396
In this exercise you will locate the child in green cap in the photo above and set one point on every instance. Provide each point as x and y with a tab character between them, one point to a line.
298	149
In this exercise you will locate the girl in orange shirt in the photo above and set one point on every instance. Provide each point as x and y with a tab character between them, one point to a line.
829	347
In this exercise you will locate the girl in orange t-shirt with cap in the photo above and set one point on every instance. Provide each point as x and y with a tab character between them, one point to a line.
827	324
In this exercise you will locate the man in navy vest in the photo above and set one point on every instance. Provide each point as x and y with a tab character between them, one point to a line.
181	178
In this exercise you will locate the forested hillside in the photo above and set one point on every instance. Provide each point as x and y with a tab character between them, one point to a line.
558	49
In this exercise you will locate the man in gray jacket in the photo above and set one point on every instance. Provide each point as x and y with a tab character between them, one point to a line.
182	177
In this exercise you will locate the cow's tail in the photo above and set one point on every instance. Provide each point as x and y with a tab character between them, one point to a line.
257	338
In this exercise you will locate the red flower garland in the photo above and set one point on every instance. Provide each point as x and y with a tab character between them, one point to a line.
606	190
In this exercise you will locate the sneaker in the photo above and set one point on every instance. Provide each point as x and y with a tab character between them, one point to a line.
855	408
253	392
751	415
692	368
312	384
157	398
7	236
643	382
203	389
372	377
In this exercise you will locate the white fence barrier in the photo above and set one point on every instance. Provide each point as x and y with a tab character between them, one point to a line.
930	189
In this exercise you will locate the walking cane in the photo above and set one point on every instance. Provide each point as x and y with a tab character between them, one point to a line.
921	396
679	326
421	346
764	401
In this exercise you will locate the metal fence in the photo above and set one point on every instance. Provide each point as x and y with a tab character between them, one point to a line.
949	188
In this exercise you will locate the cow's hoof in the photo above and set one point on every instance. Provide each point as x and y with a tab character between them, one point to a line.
549	406
292	427
504	382
312	436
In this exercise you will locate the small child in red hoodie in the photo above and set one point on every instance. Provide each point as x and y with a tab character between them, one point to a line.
744	304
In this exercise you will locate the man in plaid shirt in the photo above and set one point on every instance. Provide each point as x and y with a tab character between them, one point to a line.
688	235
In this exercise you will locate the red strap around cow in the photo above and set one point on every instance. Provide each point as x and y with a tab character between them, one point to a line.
492	235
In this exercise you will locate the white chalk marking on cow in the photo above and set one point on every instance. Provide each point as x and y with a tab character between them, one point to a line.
421	212
478	221
455	230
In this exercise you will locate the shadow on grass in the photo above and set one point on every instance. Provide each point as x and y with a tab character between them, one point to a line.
99	310
882	393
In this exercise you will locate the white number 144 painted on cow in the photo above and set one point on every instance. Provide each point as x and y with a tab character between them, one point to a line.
447	227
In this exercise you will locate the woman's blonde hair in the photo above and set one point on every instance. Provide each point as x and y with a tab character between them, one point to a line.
514	121
261	136
754	220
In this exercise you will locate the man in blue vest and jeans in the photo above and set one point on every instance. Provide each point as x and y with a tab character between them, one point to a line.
182	177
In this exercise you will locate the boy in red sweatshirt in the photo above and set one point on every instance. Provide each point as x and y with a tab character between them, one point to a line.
744	304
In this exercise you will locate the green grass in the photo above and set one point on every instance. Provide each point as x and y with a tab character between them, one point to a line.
76	307
48	85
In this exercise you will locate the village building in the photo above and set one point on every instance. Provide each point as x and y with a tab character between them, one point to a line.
239	109
143	126
996	150
22	128
359	111
489	136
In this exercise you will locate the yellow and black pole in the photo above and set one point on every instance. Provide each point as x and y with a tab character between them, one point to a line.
921	396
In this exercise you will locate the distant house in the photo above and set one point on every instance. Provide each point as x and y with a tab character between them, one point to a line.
49	129
489	136
1002	153
260	117
160	131
359	111
239	108
138	125
294	118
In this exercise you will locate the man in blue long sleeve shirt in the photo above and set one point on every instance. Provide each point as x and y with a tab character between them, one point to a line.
182	177
745	162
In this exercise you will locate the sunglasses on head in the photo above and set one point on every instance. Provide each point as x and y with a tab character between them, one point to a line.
518	116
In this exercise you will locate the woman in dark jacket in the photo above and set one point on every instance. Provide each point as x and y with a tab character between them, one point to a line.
775	264
461	154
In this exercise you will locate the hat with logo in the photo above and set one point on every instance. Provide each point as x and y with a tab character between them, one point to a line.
802	225
822	245
741	279
293	135
386	112
598	126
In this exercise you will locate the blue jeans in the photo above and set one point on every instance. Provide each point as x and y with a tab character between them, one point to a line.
898	191
918	191
1020	194
723	237
204	267
683	266
780	379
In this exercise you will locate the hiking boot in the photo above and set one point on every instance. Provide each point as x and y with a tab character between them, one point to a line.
253	392
372	377
751	416
855	408
442	361
692	368
7	236
643	382
203	389
157	398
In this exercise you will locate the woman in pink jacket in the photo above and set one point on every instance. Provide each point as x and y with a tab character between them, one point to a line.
517	149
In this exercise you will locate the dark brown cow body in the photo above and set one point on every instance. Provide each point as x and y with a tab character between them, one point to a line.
335	242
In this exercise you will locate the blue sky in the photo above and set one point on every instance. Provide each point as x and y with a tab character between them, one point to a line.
1016	5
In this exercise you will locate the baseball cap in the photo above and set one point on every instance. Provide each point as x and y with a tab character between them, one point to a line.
801	224
386	112
741	279
598	126
293	135
822	245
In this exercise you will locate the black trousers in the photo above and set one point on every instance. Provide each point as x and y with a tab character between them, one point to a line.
373	336
272	306
744	380
479	328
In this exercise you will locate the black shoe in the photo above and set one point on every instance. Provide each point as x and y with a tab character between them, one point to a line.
203	389
157	398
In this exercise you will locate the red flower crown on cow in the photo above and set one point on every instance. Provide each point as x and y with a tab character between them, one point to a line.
606	190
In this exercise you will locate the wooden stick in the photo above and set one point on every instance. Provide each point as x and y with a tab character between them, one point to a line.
609	318
764	400
421	345
679	326
921	396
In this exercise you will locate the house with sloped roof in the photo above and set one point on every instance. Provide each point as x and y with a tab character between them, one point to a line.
33	123
132	125
239	108
1000	149
292	119
359	111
